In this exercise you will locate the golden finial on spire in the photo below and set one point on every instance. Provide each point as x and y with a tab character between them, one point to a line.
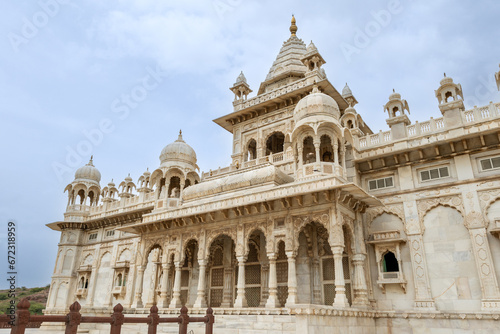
293	27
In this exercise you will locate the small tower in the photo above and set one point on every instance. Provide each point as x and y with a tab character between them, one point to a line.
397	120
497	77
109	192
85	190
126	187
347	95
313	60
240	88
451	101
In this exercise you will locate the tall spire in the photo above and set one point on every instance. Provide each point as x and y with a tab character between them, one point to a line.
293	27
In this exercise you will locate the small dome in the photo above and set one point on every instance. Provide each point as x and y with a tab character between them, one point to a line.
128	178
111	184
316	103
88	173
346	91
147	173
394	96
446	80
178	151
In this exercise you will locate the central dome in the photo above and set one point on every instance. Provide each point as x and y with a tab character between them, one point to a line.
316	104
178	151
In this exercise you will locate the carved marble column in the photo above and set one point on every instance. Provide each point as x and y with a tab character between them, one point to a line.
336	153
241	300
164	287
272	300
423	298
301	155
176	295
292	280
200	296
316	151
138	288
264	267
359	283
340	297
316	280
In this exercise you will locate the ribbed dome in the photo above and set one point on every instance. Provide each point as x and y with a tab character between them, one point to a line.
315	104
88	172
178	151
394	96
446	80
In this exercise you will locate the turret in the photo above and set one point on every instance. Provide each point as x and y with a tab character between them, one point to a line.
313	61
398	120
451	101
85	189
241	89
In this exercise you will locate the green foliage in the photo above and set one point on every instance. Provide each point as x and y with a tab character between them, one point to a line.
3	296
35	290
36	308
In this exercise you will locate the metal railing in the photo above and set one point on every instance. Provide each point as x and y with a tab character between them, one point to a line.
74	318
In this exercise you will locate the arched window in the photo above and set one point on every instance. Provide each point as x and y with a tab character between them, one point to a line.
118	280
390	263
81	194
275	143
308	151
187	184
448	95
326	149
82	283
174	187
252	150
349	124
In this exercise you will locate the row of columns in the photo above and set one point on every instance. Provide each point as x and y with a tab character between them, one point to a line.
272	300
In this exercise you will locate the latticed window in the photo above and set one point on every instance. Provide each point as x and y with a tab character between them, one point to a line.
328	267
217	278
282	274
253	277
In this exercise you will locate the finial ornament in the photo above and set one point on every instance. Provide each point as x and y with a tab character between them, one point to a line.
445	74
180	136
393	90
293	27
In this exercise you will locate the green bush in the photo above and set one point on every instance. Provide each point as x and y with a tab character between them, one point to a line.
36	308
35	290
3	296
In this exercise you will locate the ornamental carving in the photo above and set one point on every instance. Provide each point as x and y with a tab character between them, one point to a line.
426	205
212	234
301	221
487	198
474	220
393	209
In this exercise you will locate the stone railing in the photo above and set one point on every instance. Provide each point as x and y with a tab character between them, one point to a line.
320	168
243	104
431	125
79	208
276	158
475	115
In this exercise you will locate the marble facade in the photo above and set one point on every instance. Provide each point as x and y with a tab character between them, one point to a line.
319	225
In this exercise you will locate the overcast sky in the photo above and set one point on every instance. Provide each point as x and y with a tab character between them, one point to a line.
138	71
